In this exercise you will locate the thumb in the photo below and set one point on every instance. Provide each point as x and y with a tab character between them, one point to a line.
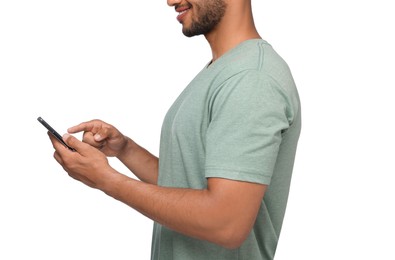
72	142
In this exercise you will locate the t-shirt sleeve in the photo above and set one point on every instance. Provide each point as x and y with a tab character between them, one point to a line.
248	114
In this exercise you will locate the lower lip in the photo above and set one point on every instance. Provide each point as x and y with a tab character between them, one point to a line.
180	17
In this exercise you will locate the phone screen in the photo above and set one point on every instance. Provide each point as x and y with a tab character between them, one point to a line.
54	133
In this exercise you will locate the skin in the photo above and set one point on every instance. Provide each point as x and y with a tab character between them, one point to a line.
223	213
207	15
236	25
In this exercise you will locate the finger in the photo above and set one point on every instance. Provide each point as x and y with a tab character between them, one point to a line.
74	142
90	126
101	134
89	139
57	157
56	144
99	129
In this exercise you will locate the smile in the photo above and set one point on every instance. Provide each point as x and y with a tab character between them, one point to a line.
182	11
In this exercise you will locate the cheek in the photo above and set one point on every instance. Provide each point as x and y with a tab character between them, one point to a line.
197	12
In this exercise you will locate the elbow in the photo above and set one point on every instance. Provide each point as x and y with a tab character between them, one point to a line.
232	237
229	233
232	244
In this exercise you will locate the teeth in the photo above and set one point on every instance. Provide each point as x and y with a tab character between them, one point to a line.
183	11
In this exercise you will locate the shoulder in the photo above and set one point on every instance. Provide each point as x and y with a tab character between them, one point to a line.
254	56
254	71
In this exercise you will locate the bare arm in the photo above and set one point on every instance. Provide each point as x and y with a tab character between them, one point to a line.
224	213
141	162
112	142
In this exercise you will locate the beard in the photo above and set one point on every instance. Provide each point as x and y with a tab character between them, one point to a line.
209	14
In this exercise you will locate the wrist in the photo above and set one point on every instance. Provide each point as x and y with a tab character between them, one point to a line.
111	182
127	149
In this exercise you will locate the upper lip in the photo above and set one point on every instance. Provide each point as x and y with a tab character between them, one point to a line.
182	8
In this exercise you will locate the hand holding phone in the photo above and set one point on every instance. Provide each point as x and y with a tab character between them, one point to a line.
54	133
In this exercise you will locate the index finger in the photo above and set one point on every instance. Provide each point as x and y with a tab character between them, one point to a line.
90	126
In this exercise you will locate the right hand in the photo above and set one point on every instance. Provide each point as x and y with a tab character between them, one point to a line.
101	135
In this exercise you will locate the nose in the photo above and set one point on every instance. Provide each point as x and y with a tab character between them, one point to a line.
173	2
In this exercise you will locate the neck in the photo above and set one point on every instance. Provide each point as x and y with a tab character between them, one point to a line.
236	26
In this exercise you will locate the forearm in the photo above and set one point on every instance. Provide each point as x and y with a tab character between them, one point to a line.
142	163
196	213
223	213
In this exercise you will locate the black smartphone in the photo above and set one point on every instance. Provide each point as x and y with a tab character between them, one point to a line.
54	133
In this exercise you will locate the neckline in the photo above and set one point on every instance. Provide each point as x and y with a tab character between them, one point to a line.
212	63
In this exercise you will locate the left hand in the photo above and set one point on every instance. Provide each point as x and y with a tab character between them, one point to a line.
88	164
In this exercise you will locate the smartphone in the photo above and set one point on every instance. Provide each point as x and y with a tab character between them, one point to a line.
54	133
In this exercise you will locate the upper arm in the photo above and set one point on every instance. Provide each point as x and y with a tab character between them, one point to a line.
236	206
247	118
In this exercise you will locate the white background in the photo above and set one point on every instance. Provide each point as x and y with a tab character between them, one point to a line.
126	61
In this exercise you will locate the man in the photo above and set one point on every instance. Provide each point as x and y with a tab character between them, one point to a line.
220	185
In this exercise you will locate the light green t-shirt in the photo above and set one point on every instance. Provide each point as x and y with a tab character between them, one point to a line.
238	119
